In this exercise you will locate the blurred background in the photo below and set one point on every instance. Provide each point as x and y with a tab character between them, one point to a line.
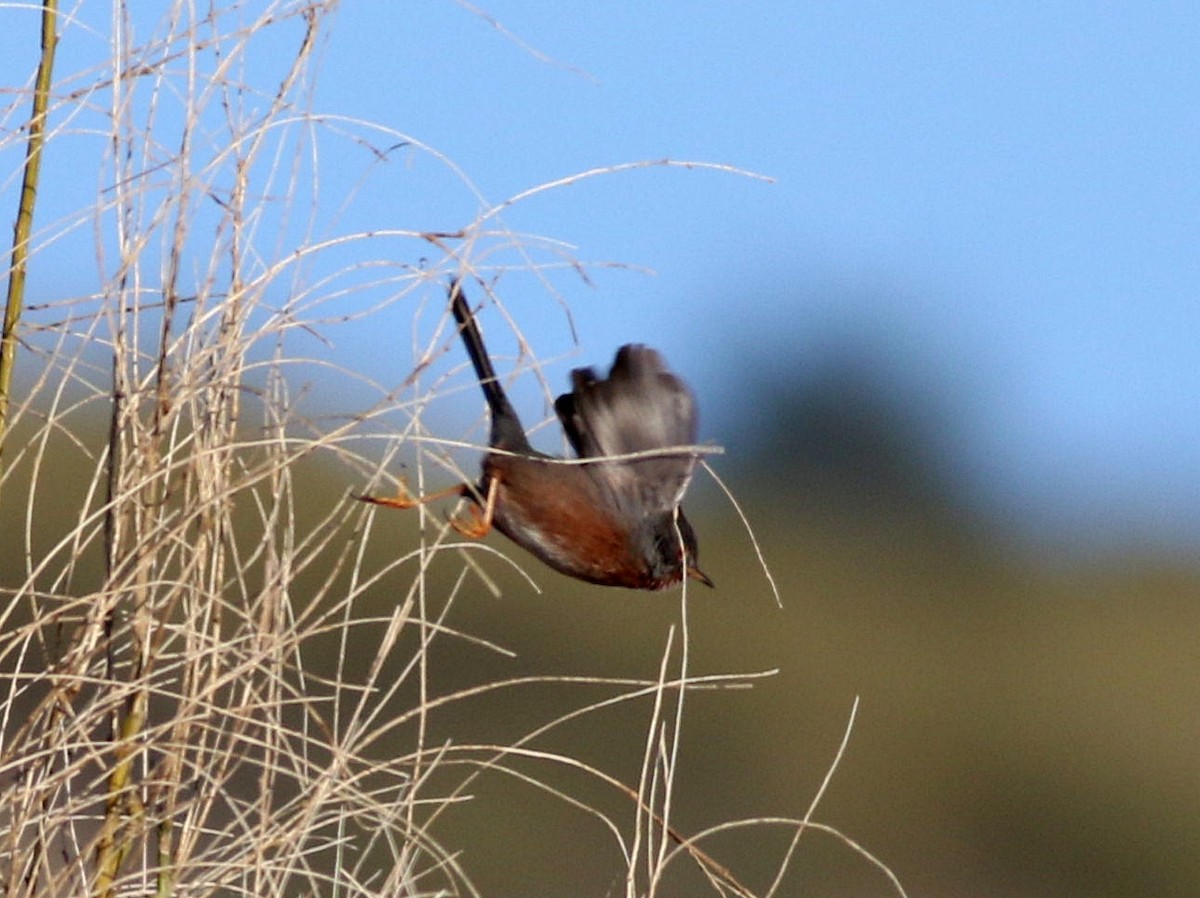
950	349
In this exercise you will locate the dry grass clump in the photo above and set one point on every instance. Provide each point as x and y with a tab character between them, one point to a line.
197	696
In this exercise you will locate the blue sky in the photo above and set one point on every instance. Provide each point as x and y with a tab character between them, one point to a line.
1001	200
1005	196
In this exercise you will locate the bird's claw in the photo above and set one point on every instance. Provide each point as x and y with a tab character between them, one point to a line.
403	498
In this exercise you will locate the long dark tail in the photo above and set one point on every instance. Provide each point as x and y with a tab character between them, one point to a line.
507	432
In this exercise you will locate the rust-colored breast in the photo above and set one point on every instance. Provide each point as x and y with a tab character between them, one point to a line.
560	514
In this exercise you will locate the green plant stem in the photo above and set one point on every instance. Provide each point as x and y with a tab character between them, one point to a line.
24	224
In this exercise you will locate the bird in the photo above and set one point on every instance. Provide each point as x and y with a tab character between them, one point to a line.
604	520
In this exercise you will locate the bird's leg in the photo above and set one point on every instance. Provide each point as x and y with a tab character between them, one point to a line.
405	499
481	521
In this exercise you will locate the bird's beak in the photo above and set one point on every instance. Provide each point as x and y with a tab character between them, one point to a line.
694	573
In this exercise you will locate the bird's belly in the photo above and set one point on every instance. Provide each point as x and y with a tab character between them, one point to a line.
568	530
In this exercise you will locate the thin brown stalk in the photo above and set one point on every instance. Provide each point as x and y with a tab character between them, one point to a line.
35	144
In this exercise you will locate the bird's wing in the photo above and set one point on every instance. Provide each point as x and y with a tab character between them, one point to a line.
640	406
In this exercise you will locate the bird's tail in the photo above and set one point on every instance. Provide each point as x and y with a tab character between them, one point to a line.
507	432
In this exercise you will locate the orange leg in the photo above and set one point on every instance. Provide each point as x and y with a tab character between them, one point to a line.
480	522
405	499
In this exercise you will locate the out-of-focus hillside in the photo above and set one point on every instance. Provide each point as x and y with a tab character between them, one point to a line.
1027	726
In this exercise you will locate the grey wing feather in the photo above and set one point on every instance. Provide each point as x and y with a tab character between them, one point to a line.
640	406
